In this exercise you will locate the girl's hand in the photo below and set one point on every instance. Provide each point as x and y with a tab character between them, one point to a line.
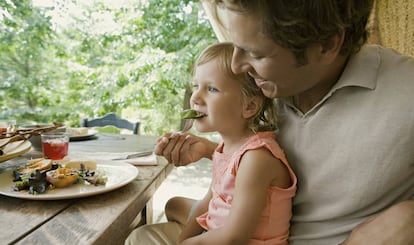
183	148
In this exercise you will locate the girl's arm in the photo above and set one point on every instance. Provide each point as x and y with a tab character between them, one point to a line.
258	170
192	228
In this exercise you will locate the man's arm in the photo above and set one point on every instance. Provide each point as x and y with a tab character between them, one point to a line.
393	226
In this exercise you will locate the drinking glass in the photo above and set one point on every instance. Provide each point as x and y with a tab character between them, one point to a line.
3	126
7	126
55	145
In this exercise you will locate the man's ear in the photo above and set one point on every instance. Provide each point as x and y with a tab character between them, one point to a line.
251	106
330	48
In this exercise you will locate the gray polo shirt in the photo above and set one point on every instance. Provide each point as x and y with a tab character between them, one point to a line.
353	153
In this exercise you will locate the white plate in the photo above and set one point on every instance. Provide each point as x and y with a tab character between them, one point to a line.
14	149
118	174
91	133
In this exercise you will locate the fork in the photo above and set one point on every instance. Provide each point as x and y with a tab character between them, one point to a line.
187	125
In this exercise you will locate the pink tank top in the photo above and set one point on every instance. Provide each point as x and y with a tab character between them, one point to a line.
274	225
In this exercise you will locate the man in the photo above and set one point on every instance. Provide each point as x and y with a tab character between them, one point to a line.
347	123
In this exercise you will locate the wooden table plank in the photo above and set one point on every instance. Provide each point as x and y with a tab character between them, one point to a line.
114	143
18	217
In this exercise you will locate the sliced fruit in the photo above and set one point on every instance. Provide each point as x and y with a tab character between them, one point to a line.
61	177
40	164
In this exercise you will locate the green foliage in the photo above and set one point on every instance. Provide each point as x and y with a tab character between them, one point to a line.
26	65
140	69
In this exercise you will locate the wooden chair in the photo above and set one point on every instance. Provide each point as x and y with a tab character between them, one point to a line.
111	119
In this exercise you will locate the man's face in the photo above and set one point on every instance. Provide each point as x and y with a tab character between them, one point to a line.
274	68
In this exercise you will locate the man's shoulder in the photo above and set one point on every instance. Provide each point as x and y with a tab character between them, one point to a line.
391	58
387	68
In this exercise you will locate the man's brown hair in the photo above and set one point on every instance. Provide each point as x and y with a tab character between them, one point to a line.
296	24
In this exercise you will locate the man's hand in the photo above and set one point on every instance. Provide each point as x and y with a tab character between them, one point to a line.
182	149
393	226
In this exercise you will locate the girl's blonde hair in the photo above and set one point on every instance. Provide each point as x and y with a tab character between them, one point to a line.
266	118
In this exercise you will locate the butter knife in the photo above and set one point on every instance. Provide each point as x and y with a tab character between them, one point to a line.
135	155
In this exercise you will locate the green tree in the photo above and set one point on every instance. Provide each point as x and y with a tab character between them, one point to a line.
26	45
141	70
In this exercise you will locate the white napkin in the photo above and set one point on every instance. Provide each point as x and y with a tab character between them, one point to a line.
149	160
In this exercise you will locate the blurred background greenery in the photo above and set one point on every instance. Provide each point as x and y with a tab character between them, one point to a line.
64	60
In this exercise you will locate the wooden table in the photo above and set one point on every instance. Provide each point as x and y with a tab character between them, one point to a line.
102	219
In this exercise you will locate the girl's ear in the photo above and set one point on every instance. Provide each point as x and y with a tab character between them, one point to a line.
251	106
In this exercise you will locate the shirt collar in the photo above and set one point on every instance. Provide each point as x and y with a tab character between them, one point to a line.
361	71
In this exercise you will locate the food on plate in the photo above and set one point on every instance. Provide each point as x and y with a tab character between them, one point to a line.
191	114
87	169
31	176
73	132
40	164
62	177
39	175
87	164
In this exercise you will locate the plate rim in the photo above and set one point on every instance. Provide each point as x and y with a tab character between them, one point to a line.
26	145
56	196
91	132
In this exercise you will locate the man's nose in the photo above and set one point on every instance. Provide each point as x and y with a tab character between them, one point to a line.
239	63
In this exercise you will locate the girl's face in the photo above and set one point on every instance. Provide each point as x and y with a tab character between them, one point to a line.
219	98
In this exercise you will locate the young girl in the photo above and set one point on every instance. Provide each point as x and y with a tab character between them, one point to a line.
250	196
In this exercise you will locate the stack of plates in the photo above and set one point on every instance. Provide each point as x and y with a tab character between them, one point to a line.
14	149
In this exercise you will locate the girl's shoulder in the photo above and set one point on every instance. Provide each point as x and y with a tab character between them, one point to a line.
264	140
260	163
263	157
